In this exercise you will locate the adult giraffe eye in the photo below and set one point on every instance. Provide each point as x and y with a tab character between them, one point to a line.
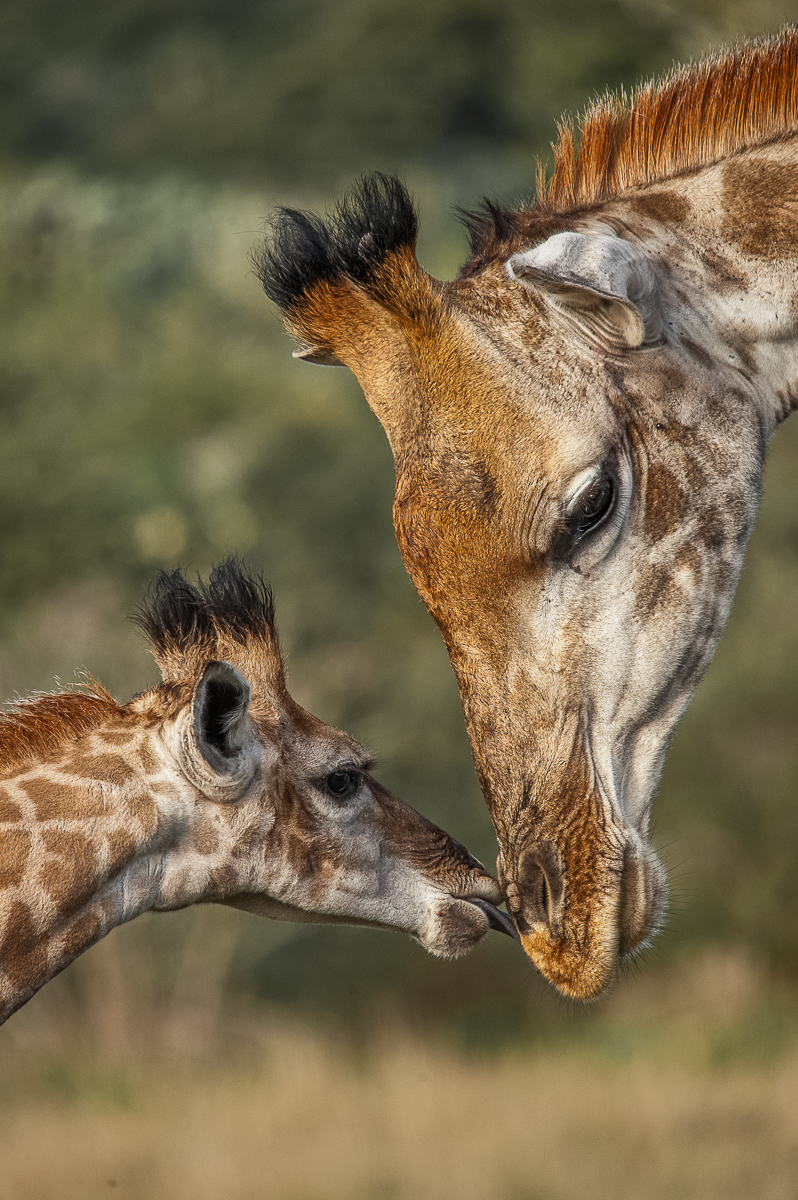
592	507
342	783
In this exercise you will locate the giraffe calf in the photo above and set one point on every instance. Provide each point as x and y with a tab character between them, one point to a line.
214	786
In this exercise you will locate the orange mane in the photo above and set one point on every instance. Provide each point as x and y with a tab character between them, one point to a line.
694	117
35	728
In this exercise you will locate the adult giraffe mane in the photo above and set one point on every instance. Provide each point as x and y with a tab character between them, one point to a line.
697	115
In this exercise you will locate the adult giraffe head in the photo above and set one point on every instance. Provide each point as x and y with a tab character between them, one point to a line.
578	423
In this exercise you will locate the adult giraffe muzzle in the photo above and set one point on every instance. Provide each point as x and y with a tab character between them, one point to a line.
578	424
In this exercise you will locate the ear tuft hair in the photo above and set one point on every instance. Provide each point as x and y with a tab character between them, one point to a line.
487	225
372	220
188	624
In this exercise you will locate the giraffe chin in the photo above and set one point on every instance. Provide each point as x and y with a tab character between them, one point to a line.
454	925
579	974
451	925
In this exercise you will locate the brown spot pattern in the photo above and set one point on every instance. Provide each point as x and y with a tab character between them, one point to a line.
15	845
695	473
223	881
205	839
148	759
23	958
697	352
79	936
760	207
655	588
710	527
145	809
59	802
10	810
666	504
724	269
105	768
72	878
662	205
121	847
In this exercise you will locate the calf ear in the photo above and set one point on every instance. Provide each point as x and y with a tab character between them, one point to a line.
604	285
221	752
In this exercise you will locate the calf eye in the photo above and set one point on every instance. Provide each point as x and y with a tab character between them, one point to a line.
592	506
342	783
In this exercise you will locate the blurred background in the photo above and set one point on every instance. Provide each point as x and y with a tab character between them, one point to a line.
152	415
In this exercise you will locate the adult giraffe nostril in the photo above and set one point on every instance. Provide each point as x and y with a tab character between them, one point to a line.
540	887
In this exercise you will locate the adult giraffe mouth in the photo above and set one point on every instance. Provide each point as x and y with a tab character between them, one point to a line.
497	919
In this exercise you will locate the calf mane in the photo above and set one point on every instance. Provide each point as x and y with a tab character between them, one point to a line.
33	729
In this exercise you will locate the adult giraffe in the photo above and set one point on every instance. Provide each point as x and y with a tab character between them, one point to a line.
578	424
214	786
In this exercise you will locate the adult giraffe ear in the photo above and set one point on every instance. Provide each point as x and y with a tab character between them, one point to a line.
220	753
602	284
319	355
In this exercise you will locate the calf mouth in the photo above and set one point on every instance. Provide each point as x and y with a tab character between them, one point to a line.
502	922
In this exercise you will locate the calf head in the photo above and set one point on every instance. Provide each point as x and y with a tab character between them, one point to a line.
311	836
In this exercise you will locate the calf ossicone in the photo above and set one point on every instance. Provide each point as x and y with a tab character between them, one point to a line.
605	285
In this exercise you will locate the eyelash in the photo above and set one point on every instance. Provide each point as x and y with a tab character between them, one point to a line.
592	515
592	507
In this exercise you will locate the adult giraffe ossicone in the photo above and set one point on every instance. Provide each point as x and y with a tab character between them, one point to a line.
578	423
214	786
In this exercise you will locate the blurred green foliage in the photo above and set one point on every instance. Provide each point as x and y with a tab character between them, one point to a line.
151	414
307	91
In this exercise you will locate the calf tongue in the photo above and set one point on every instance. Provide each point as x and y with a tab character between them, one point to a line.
496	919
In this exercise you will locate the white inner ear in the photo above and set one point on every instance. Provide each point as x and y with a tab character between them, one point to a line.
606	286
220	753
317	355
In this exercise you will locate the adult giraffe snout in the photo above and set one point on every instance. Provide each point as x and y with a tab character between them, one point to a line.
579	879
576	919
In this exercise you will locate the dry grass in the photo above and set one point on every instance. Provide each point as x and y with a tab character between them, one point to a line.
640	1106
304	1122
